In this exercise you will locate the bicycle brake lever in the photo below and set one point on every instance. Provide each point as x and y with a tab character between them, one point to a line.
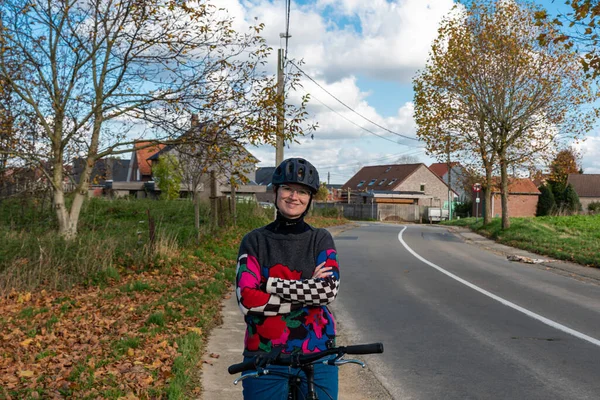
342	362
257	374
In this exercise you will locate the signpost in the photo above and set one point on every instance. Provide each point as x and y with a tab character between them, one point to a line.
477	189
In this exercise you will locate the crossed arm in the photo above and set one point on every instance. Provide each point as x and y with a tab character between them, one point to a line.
281	296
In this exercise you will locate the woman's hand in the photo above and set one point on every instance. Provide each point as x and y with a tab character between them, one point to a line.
322	271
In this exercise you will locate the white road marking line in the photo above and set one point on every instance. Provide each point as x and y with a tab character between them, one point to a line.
531	314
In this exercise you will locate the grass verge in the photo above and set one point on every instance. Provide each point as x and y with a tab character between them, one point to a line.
570	238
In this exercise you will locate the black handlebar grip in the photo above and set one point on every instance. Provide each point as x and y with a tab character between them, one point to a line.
365	348
241	367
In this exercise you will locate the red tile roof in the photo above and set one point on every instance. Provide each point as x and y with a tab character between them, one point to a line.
585	185
379	172
518	186
440	169
142	156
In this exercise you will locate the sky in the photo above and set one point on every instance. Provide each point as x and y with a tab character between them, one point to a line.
363	54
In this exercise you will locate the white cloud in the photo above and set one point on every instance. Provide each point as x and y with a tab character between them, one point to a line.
590	150
389	40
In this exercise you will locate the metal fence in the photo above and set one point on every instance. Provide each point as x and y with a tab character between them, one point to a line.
379	212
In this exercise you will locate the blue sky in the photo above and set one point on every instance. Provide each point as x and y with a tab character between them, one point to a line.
365	53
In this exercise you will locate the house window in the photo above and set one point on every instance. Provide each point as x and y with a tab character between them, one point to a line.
388	169
360	183
381	182
372	182
422	187
392	182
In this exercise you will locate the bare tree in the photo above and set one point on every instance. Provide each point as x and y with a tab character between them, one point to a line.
407	159
210	148
100	74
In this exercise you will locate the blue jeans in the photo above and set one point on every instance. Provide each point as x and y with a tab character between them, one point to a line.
275	387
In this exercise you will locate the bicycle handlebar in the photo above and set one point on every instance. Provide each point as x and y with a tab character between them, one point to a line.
299	360
372	348
241	367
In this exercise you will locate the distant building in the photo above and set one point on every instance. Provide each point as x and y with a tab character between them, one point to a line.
397	184
264	175
105	169
335	192
134	177
458	177
523	197
140	168
587	187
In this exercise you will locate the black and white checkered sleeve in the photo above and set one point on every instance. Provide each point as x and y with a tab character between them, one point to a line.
311	292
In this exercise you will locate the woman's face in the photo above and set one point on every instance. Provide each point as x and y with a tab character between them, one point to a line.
292	200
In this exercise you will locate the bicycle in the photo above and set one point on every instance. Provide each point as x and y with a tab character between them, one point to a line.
303	362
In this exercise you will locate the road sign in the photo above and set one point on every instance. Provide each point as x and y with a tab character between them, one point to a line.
477	187
477	200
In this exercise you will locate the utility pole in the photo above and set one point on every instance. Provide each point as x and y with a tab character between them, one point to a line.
280	108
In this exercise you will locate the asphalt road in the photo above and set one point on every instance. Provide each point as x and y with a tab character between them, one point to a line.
458	322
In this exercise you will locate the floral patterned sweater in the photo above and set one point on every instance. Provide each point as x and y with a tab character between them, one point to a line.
282	304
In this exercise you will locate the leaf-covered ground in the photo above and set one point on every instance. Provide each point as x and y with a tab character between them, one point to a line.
120	341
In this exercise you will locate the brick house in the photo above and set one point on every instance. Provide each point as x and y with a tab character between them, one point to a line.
140	169
587	187
458	176
238	154
31	179
397	184
523	197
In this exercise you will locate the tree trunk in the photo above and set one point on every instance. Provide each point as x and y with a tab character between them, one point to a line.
487	194
504	193
69	229
62	216
196	202
65	226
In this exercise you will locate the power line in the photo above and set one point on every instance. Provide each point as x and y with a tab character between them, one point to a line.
375	160
340	171
350	108
355	124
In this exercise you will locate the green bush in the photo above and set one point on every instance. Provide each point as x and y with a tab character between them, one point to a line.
558	190
571	200
463	210
546	203
594	207
328	212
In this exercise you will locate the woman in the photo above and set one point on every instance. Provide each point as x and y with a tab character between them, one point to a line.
287	273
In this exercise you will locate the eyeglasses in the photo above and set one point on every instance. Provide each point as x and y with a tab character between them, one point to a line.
287	191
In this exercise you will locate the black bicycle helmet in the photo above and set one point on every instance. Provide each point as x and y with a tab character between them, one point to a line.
297	170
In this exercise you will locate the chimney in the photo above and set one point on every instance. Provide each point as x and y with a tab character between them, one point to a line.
194	120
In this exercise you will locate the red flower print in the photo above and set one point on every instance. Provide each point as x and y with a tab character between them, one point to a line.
331	262
283	272
252	342
254	297
273	328
316	319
